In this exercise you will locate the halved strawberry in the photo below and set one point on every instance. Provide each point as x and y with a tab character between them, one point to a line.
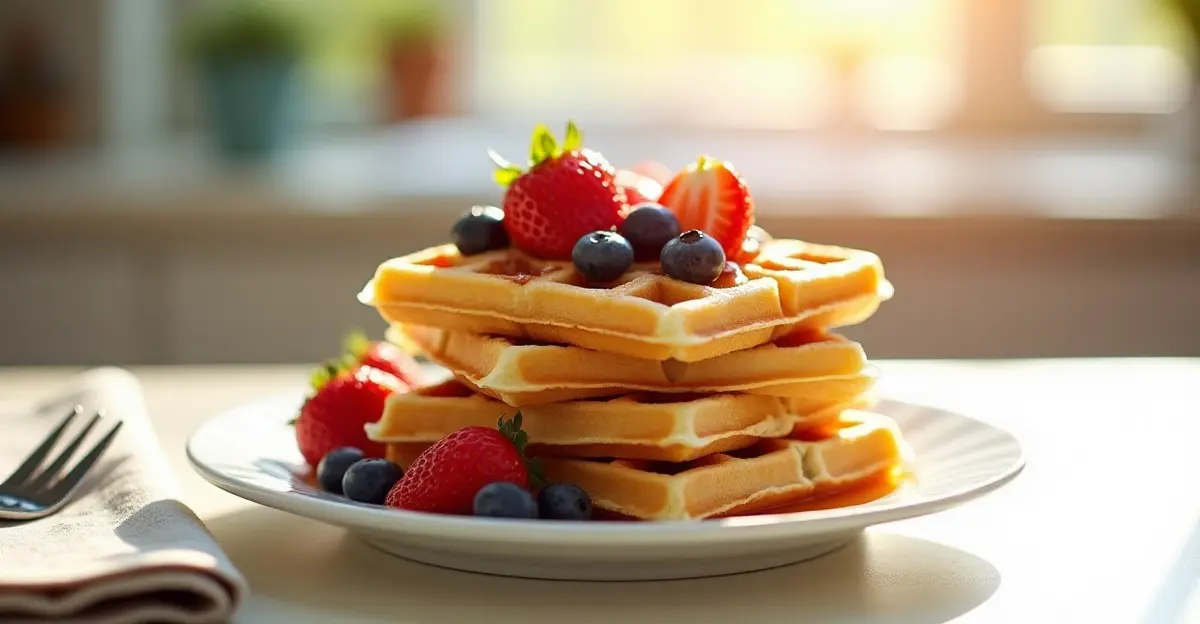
709	195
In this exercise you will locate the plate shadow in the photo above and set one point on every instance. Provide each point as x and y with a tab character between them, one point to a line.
318	568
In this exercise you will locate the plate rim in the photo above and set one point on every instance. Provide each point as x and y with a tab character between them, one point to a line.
328	509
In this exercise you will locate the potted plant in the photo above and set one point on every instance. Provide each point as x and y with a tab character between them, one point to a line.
248	53
413	37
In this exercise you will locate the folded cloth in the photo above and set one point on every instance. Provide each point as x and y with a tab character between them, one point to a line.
125	549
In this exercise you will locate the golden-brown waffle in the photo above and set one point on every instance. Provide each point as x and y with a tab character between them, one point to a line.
859	448
789	285
528	373
677	427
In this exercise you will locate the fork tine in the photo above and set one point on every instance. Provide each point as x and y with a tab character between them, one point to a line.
52	471
64	486
39	454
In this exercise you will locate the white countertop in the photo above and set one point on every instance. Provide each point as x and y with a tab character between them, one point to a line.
1103	525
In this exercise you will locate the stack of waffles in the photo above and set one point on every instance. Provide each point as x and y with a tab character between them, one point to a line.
664	400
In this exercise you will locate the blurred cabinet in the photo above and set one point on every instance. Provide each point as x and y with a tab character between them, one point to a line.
283	289
72	303
275	301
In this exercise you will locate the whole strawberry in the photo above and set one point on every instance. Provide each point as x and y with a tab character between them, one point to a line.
342	403
638	188
384	356
567	192
445	477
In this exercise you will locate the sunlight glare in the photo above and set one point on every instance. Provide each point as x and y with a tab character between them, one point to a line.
1108	78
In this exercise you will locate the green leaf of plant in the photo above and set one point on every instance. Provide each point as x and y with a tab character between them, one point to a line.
573	139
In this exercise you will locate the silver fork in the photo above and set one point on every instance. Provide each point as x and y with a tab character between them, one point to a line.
30	493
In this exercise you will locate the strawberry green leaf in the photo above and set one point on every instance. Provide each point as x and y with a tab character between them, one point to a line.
322	374
505	177
550	146
506	173
573	139
327	371
356	344
512	430
537	478
542	147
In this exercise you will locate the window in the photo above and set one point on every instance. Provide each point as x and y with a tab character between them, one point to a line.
1006	66
1127	58
802	64
767	64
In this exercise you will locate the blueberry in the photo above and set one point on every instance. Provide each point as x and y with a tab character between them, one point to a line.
648	227
602	256
505	500
693	257
370	480
333	467
480	229
564	501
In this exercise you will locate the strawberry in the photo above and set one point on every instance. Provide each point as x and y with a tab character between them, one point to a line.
384	356
710	196
445	477
654	170
342	402
638	188
567	192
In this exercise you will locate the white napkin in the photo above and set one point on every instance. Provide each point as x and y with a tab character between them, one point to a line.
125	549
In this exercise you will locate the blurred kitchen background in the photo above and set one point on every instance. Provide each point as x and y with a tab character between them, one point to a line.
191	182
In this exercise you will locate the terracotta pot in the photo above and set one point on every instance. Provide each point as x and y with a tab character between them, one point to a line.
414	70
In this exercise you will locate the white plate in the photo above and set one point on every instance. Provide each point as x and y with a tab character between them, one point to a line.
250	451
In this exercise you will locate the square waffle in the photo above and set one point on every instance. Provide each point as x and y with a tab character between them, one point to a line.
521	372
674	428
789	285
859	448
